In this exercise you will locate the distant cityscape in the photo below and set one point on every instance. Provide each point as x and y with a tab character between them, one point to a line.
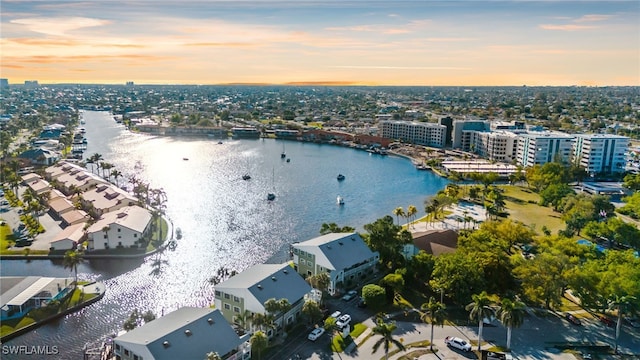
466	134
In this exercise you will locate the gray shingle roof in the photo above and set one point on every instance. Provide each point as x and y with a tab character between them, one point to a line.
266	281
337	251
205	335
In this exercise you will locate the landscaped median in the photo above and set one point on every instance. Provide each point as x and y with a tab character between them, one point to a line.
86	293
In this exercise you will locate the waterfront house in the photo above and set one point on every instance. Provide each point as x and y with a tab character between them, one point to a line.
250	289
124	228
74	217
39	186
187	333
40	156
19	295
106	198
344	256
68	238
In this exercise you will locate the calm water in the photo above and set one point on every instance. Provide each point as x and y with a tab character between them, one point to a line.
225	220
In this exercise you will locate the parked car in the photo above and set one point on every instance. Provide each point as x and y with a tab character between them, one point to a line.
335	315
456	342
315	334
572	319
607	321
343	321
350	295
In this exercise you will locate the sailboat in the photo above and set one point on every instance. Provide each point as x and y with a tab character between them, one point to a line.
272	196
283	154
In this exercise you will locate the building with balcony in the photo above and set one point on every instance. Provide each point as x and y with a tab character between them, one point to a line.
427	134
601	153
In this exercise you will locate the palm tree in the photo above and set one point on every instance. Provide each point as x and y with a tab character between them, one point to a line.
511	314
411	212
479	309
399	211
259	342
72	259
386	331
213	356
116	174
434	314
621	304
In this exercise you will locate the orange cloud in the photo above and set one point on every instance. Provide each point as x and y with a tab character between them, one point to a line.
593	17
566	27
224	44
59	26
85	58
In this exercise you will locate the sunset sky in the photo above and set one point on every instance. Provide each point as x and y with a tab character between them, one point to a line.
332	41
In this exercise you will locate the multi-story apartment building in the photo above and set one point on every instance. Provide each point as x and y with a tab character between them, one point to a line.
345	257
537	148
601	153
463	130
245	294
417	133
494	146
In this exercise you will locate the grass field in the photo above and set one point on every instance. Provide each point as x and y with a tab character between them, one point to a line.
522	205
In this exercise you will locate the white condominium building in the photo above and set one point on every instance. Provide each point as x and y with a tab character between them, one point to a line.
537	148
601	153
497	146
417	133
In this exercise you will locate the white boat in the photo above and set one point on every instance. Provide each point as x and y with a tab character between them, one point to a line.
340	200
272	196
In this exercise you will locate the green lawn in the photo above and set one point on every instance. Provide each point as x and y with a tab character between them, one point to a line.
520	208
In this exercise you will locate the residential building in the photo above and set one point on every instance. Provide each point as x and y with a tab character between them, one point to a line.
19	295
428	134
106	198
498	146
462	131
247	292
68	238
126	227
601	153
187	333
74	217
538	148
344	256
40	156
434	242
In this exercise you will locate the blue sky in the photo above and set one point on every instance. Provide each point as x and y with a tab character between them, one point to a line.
333	42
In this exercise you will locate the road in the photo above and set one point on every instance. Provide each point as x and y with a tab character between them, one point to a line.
534	340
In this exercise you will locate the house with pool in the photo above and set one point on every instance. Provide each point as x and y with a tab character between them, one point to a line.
19	294
344	256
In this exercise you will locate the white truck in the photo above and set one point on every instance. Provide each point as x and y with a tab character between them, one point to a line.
456	342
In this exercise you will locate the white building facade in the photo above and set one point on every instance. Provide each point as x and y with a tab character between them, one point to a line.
601	153
538	148
417	133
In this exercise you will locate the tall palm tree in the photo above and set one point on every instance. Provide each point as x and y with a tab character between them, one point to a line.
72	259
511	314
479	309
116	174
411	212
385	330
399	211
434	314
259	342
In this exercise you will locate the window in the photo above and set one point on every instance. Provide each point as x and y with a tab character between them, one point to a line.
236	309
126	352
105	236
218	292
236	299
135	235
227	296
227	306
136	357
119	229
